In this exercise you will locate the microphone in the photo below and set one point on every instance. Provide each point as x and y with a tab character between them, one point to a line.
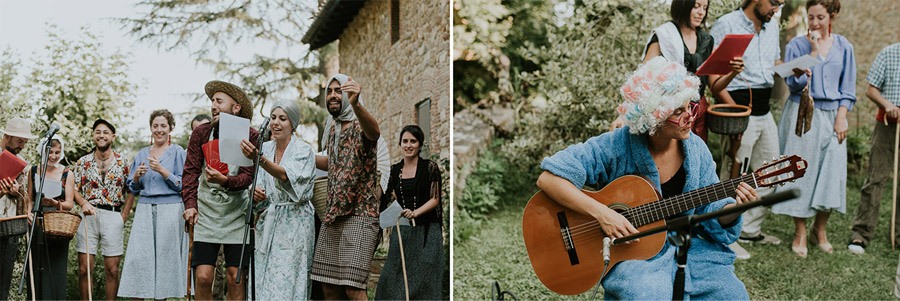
263	129
606	243
52	130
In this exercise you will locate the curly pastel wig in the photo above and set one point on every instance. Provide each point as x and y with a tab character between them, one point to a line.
653	91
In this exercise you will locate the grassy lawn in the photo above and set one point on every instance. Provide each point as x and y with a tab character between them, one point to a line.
496	252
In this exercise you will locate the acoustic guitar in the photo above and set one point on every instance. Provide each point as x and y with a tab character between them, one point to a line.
565	247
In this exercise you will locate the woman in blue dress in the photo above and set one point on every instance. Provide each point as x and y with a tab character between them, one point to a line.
156	258
832	87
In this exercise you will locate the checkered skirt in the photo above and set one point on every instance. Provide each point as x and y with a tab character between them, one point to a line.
344	251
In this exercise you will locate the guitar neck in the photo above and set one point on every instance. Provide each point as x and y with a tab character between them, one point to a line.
651	212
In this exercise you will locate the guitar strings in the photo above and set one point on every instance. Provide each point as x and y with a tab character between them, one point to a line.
647	213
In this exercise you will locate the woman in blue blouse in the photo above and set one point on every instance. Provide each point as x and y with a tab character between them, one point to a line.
656	143
156	259
832	86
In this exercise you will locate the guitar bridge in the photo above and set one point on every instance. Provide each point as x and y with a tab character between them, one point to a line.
567	237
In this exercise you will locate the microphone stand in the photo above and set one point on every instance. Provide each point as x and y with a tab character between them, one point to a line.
38	214
682	226
249	214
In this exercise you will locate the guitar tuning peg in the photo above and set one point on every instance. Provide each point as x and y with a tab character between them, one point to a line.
765	162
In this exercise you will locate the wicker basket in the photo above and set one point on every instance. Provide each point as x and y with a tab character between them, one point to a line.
61	225
727	119
13	226
320	193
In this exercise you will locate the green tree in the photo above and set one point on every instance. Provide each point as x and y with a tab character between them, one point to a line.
208	29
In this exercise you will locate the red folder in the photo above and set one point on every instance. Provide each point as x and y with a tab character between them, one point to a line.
732	46
211	155
10	165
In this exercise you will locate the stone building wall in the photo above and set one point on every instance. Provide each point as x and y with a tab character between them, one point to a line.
396	77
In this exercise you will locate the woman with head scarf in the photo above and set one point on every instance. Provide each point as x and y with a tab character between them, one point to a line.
156	257
656	143
50	255
285	231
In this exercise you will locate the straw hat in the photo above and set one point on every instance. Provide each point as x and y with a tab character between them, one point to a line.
235	92
18	127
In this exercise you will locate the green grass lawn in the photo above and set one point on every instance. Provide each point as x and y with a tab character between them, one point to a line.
496	252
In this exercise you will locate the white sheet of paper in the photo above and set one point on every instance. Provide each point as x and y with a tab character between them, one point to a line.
52	188
389	216
802	62
232	130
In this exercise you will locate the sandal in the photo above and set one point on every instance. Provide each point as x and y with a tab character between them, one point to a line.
856	247
826	246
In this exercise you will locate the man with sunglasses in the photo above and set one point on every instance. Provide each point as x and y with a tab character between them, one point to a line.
753	87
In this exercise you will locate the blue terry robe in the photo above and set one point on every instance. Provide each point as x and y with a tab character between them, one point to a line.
710	268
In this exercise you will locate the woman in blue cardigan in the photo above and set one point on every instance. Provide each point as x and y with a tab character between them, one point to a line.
656	143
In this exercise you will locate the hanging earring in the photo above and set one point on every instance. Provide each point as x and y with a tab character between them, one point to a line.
829	29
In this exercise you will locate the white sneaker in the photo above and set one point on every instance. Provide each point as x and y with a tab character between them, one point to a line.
739	251
856	249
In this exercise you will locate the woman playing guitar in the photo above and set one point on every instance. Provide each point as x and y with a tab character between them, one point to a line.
656	144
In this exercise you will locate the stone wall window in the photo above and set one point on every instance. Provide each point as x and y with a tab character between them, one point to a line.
395	21
423	118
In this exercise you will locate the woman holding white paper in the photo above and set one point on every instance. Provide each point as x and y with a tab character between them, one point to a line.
285	237
415	183
832	88
50	255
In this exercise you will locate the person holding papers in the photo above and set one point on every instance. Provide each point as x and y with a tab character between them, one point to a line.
832	87
158	247
285	237
753	87
50	255
415	183
12	194
214	201
683	40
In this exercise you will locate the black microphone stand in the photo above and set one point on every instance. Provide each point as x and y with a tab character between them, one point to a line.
249	214
36	209
682	226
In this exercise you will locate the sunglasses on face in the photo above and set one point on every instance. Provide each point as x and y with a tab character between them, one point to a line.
684	117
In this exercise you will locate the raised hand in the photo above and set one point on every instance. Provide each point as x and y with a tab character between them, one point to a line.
352	88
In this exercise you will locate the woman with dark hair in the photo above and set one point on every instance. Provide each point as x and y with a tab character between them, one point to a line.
50	255
832	88
415	183
682	40
156	258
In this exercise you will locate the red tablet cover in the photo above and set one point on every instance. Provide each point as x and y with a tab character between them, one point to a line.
10	165
732	46
211	155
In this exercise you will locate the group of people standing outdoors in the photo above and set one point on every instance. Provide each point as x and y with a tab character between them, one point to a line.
658	114
176	189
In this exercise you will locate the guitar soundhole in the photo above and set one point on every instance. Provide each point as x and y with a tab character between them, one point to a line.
618	207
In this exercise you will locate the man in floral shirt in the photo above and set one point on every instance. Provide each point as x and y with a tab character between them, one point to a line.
350	230
100	191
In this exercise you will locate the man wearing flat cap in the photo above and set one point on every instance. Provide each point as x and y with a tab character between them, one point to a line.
214	202
12	197
106	204
350	230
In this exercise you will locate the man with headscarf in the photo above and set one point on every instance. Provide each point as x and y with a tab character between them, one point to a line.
350	230
214	202
12	197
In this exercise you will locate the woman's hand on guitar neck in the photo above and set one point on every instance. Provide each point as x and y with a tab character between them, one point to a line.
614	224
743	194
